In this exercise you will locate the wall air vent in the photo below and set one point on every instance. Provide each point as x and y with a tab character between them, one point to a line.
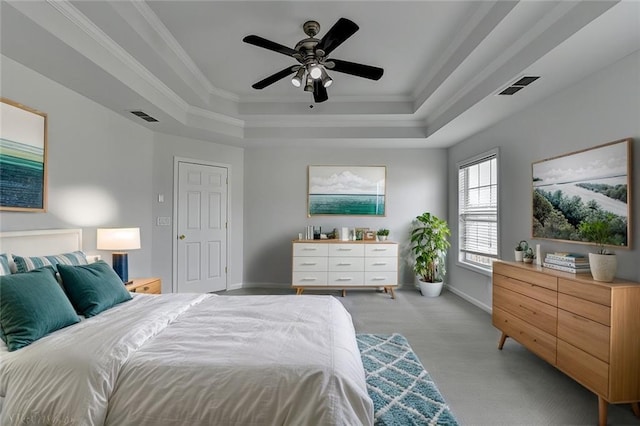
144	116
518	85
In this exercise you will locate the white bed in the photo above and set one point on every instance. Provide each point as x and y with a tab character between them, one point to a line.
192	359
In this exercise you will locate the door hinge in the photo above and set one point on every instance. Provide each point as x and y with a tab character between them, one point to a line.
225	269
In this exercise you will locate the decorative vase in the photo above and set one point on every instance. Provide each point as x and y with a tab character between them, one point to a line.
603	266
430	289
382	238
519	254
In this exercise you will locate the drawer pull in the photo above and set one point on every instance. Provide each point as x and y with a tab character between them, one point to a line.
379	263
309	279
344	249
344	279
379	249
308	263
309	249
378	279
145	288
344	264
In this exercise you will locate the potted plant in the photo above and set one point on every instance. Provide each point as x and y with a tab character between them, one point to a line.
429	245
603	263
382	234
520	249
528	256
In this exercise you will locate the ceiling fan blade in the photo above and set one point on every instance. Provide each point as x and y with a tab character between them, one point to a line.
275	77
319	91
268	44
341	30
360	70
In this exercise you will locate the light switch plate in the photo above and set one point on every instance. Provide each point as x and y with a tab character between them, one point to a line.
164	221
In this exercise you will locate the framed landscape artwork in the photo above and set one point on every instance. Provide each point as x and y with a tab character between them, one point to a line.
23	158
583	186
346	190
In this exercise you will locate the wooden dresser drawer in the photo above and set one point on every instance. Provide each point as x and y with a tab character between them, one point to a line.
585	308
537	341
311	263
346	279
537	278
145	285
530	310
310	278
343	250
586	369
346	264
591	292
590	336
543	294
310	249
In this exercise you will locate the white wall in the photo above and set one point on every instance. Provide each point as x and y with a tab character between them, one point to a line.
602	108
276	201
166	147
99	165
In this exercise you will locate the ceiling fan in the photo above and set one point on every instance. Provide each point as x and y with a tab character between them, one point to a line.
313	57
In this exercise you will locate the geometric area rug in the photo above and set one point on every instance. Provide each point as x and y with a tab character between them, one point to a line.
402	391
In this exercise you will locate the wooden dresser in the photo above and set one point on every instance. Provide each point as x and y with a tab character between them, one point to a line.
145	285
335	264
588	329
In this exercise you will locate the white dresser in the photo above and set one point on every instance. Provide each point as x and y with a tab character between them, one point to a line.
319	264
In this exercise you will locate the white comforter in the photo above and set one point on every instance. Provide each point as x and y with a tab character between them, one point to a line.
193	360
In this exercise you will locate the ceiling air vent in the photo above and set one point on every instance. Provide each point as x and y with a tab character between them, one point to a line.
144	116
518	85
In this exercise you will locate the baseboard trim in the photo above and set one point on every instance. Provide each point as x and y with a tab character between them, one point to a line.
469	299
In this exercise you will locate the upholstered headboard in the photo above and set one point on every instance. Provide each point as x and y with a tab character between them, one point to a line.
41	242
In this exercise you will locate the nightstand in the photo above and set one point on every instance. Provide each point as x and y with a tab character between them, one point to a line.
145	285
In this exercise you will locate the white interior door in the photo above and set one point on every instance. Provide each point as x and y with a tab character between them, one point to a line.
202	228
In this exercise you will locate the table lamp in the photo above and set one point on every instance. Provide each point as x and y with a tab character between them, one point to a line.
119	240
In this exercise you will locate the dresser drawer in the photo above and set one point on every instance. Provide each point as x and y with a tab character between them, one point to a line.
310	249
530	310
310	278
583	333
586	369
381	264
537	341
381	250
534	291
381	278
346	279
590	292
152	287
343	250
529	276
584	308
302	263
346	264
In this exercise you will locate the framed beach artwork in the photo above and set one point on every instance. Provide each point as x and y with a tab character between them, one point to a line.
582	186
347	190
23	158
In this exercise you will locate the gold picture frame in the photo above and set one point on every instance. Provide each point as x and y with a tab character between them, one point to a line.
23	158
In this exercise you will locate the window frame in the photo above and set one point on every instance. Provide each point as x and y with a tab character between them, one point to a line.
477	159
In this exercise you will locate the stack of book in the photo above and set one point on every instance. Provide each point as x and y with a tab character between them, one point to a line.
567	262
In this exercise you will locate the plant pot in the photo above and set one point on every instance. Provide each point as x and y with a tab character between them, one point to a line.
382	238
518	254
527	259
430	289
603	266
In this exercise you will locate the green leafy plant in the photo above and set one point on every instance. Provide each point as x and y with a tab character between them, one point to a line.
528	254
598	231
383	232
522	246
429	245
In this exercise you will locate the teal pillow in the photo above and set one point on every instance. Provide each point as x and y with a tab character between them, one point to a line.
92	288
26	264
5	269
32	305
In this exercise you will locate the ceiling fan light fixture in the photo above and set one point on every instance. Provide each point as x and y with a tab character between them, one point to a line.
326	80
309	86
297	79
315	71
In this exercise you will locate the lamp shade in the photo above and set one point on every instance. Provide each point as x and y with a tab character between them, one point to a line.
118	238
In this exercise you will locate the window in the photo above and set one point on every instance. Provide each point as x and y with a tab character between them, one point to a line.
478	211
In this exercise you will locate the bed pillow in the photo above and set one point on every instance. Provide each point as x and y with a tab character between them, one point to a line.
93	288
26	264
5	268
32	305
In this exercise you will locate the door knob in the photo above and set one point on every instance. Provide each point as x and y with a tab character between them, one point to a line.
182	237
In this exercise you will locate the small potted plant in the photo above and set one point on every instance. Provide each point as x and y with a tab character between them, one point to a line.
528	256
429	245
520	249
382	234
603	263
